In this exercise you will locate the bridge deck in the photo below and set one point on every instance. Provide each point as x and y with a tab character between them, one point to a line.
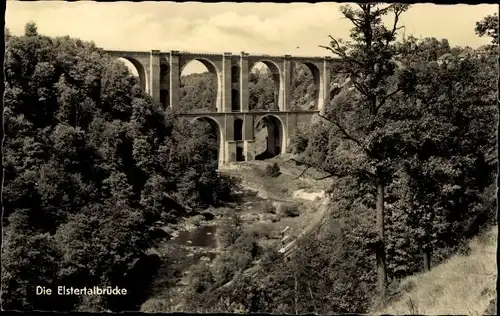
308	112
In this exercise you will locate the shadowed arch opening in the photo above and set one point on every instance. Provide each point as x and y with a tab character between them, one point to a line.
238	129
269	136
235	89
306	84
210	127
264	84
164	82
235	100
199	86
137	70
235	74
238	137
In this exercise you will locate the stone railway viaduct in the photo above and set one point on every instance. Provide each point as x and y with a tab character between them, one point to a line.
159	75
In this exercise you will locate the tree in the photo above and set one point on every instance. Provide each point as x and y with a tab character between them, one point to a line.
90	163
488	26
451	168
361	146
30	29
198	92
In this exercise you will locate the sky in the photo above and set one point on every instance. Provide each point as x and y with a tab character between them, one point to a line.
259	28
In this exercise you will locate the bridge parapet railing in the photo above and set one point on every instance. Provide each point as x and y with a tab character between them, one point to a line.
255	112
200	54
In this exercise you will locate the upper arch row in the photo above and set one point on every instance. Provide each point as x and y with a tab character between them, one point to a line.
161	71
139	54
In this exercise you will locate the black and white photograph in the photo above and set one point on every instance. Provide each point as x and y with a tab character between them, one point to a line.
278	158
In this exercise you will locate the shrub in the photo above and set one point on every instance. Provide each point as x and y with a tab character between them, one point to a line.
247	242
273	170
201	278
225	268
240	257
229	232
298	142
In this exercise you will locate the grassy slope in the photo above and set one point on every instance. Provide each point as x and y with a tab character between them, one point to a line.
461	285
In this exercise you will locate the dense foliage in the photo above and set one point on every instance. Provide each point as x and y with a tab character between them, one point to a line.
416	116
90	162
408	139
273	170
488	26
436	141
199	91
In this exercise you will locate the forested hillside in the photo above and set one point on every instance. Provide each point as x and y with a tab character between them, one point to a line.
409	142
405	152
90	162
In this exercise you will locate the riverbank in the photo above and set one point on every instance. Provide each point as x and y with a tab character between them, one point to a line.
265	206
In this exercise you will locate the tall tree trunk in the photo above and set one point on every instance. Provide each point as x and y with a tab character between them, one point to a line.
381	267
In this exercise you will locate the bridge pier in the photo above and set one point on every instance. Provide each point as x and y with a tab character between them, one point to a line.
152	66
324	86
249	150
226	83
175	80
244	94
154	82
285	95
159	75
231	152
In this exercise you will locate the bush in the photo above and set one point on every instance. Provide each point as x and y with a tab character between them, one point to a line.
201	279
237	259
229	232
273	170
225	268
247	242
298	142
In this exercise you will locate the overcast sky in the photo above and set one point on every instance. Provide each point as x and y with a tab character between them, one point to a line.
266	28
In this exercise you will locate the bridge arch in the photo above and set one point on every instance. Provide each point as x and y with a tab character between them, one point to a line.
219	132
276	135
214	71
317	84
139	67
277	78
